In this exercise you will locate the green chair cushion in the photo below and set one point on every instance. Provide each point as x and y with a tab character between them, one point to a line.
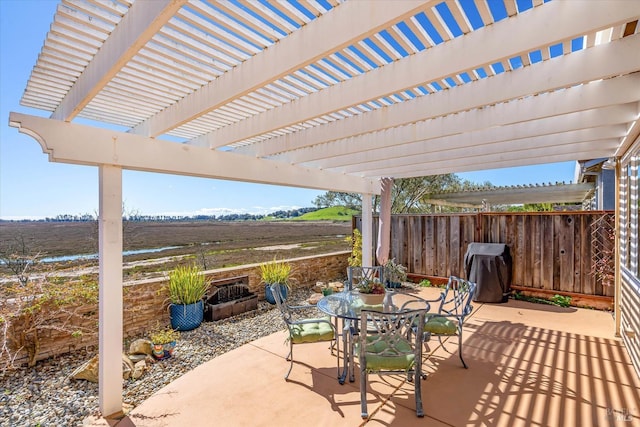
372	307
311	332
385	355
441	326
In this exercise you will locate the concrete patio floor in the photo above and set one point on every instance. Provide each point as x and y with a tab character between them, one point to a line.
529	365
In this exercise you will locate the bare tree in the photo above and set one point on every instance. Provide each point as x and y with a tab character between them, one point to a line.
18	257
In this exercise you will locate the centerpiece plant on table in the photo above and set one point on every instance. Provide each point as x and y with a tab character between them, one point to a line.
187	288
371	291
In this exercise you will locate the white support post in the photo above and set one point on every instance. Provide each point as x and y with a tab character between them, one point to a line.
367	230
617	309
110	294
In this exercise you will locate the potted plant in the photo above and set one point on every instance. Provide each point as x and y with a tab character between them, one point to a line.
187	288
275	272
163	341
394	274
371	291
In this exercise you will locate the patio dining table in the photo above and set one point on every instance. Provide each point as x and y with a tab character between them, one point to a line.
346	306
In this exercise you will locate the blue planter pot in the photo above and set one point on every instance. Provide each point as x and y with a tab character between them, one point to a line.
185	317
393	285
268	295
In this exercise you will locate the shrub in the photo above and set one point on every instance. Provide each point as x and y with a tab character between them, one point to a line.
355	239
275	272
186	285
28	310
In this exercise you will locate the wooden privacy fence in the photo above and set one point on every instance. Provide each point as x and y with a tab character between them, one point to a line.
557	251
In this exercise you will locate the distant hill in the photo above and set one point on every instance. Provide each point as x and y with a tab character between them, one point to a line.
334	213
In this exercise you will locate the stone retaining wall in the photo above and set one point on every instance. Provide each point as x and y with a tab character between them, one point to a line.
145	302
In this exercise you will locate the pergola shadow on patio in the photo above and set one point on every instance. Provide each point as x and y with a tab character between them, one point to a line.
529	364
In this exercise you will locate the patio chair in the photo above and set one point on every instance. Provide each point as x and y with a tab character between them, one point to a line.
454	307
301	329
356	274
387	346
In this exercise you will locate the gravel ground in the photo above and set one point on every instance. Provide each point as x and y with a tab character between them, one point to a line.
45	396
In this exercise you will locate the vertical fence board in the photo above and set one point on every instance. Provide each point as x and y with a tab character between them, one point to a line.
455	255
577	253
549	257
529	246
518	248
442	253
430	259
565	237
423	247
536	251
416	242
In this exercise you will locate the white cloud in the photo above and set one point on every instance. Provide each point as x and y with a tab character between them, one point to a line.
253	210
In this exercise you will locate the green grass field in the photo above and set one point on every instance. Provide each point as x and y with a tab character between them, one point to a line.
334	213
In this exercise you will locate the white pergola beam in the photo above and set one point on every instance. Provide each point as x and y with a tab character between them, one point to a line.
632	136
401	141
329	33
79	144
440	151
569	152
520	194
491	44
566	72
143	20
110	323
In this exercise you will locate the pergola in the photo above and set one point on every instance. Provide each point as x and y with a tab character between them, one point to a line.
324	94
514	194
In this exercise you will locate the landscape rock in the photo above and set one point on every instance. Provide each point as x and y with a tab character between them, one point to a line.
89	370
140	346
139	369
336	286
127	367
43	395
314	298
135	358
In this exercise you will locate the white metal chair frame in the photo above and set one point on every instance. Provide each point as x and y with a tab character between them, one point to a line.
291	319
390	344
454	304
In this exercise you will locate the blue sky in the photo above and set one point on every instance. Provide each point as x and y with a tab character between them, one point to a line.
33	187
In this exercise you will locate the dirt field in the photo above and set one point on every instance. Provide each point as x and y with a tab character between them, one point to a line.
213	244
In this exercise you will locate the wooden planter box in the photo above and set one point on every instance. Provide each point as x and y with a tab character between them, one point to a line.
229	297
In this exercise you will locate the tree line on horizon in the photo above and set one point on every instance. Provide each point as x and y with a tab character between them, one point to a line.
135	217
